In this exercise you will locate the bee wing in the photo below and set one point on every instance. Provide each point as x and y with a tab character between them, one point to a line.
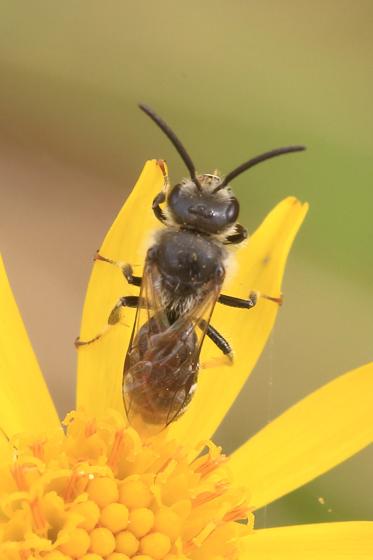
161	365
195	321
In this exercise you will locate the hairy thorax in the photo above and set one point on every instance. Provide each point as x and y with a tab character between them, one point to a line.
190	265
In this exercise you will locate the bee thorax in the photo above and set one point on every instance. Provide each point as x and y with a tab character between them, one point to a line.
187	261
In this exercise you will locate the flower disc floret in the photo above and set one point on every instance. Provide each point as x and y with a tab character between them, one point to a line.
99	491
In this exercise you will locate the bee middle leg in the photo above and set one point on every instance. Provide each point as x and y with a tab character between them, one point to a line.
248	303
125	268
114	317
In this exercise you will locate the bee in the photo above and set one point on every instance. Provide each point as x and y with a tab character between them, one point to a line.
183	274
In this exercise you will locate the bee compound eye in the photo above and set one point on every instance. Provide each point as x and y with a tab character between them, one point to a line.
232	210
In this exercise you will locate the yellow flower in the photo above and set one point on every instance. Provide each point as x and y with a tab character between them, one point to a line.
98	490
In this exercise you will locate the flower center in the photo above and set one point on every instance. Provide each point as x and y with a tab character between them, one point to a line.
100	492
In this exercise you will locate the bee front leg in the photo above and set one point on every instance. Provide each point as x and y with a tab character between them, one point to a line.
161	196
125	268
114	317
158	212
237	237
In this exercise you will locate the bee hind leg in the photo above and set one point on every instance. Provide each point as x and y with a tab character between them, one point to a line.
113	319
125	268
217	339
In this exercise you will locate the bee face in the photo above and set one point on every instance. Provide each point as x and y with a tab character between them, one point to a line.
202	209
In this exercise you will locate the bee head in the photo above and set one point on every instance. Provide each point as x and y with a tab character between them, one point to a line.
205	202
200	208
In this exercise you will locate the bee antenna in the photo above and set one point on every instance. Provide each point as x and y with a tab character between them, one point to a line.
175	141
254	161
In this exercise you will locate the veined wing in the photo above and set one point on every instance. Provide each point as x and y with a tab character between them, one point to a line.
161	367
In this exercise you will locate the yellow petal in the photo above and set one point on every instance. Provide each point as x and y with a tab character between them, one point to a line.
260	266
324	541
100	365
310	438
25	403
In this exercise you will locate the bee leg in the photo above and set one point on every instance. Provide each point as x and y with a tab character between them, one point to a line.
114	317
217	339
125	301
161	197
240	235
124	267
158	212
131	279
248	303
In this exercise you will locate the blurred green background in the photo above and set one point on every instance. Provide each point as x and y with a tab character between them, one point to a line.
233	79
